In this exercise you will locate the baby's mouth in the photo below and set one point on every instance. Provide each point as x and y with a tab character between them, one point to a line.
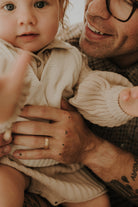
29	34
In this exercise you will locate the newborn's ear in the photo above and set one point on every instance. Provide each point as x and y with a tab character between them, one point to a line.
66	106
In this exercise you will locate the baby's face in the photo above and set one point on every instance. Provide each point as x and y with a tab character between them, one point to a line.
29	24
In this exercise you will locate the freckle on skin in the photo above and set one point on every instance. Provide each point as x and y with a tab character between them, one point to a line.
66	132
62	144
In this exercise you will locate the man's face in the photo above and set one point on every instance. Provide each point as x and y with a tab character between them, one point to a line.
104	36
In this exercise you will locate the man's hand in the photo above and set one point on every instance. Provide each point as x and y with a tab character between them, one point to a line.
68	136
129	101
71	141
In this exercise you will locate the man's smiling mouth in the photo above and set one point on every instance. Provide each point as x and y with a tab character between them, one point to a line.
94	30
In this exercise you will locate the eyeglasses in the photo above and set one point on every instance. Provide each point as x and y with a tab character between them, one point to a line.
122	10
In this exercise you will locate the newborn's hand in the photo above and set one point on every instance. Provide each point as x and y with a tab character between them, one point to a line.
4	147
11	85
129	101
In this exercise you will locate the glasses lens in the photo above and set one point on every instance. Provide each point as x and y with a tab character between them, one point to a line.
121	9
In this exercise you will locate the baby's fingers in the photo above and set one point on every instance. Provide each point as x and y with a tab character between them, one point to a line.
125	94
19	69
134	92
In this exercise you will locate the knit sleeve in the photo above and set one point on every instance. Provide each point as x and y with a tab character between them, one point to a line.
96	98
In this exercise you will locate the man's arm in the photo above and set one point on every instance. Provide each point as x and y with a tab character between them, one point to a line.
116	167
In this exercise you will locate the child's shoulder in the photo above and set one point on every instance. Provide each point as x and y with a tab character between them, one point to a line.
64	48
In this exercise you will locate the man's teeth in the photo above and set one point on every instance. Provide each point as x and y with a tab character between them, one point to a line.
94	30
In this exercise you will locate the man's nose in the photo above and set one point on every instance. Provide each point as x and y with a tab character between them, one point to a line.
97	8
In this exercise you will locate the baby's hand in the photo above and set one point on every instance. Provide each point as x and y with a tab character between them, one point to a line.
11	85
128	101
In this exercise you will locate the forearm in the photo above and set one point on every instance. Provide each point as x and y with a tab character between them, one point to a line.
116	167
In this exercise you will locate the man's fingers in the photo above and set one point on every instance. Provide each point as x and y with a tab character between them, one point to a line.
34	128
32	142
33	154
44	112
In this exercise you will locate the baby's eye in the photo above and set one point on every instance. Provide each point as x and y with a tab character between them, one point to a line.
40	4
9	7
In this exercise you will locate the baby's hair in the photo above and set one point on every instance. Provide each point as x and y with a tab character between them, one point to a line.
63	5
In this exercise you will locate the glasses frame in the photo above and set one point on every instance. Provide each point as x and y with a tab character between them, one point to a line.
135	6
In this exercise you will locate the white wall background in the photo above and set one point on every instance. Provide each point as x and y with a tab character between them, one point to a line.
75	11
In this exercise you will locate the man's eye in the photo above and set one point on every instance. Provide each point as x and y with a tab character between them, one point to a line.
40	4
9	7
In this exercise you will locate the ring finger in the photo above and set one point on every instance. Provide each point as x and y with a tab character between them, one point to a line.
32	141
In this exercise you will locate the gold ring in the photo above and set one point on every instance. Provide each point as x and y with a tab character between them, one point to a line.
46	143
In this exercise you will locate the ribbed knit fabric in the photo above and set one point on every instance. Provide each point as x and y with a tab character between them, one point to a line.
61	183
97	98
